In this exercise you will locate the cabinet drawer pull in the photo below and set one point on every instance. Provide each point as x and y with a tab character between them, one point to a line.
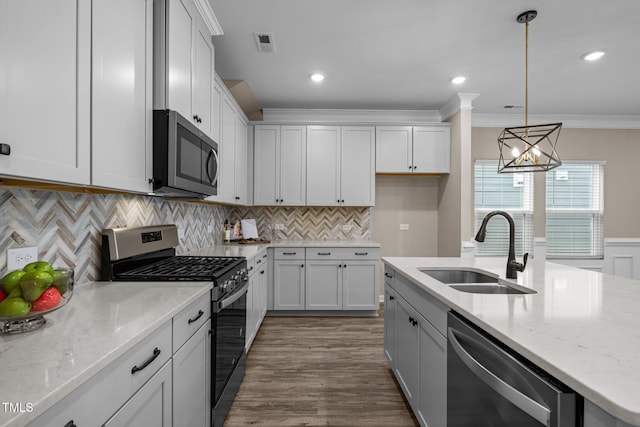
156	353
391	297
362	253
288	253
195	319
324	253
250	268
70	424
258	261
388	275
264	256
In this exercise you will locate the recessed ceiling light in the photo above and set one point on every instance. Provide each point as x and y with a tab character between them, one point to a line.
458	80
592	56
317	77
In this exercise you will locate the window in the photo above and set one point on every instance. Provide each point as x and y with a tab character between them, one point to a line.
575	210
512	193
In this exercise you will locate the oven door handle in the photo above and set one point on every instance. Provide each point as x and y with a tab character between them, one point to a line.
525	403
233	298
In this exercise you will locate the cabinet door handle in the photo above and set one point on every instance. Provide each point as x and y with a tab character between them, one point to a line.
410	167
264	256
324	253
195	319
156	353
288	253
342	201
344	265
237	198
301	265
339	265
391	297
70	424
415	167
5	149
258	261
363	253
250	268
262	272
388	275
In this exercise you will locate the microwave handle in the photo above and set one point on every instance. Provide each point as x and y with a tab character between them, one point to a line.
213	153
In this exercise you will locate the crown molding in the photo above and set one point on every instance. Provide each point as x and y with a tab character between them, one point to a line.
568	120
209	17
461	101
339	116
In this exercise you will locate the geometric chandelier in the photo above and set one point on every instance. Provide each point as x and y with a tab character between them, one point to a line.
528	148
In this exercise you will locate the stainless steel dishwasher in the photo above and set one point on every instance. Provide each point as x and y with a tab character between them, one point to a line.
490	385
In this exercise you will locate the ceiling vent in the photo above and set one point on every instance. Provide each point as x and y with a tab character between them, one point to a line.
265	42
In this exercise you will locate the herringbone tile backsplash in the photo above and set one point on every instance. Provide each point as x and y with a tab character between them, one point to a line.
308	222
67	226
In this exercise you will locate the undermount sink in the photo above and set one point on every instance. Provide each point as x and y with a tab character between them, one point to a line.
473	281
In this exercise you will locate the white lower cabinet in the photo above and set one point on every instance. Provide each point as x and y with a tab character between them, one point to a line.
288	285
256	296
416	350
163	380
150	406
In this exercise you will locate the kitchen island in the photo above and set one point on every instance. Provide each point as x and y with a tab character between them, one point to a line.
103	321
580	326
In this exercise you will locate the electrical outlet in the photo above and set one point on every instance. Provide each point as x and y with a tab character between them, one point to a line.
18	258
347	228
404	227
180	233
279	226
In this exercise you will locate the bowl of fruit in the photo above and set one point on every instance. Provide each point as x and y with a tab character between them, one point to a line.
27	295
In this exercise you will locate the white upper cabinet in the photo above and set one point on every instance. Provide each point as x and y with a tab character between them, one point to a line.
45	89
393	149
280	158
357	166
121	131
184	62
227	150
340	166
407	149
241	153
431	150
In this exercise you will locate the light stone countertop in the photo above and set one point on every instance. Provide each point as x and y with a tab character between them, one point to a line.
581	326
100	323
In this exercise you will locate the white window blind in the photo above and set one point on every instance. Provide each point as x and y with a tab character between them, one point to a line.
512	193
575	211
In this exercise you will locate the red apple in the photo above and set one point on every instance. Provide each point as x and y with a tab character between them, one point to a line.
49	299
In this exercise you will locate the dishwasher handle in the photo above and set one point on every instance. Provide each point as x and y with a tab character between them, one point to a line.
526	404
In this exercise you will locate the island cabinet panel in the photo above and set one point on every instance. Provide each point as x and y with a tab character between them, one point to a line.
415	348
594	416
390	316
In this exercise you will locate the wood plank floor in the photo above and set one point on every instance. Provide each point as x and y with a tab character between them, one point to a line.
319	371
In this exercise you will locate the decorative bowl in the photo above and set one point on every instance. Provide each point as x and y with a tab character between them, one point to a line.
62	281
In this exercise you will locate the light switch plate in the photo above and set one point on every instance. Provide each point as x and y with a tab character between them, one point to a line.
347	228
18	258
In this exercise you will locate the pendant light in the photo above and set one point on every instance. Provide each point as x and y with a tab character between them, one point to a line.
528	148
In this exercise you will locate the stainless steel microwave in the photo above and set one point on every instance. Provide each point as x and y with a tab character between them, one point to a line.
185	160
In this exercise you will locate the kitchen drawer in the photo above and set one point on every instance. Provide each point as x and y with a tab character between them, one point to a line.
428	306
335	253
261	260
251	266
389	276
187	322
288	253
96	400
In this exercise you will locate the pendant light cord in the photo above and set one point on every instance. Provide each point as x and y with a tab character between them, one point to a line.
526	80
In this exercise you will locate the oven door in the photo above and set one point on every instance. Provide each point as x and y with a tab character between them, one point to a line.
229	321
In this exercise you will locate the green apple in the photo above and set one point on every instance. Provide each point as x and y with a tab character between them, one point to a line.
61	279
11	280
38	266
33	284
14	307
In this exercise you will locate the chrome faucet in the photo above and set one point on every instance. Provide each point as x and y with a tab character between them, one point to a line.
512	265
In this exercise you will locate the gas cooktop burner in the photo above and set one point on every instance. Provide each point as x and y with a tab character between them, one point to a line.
183	267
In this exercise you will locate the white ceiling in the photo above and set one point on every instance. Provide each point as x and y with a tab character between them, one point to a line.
400	55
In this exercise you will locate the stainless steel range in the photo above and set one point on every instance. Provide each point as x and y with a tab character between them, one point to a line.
148	254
